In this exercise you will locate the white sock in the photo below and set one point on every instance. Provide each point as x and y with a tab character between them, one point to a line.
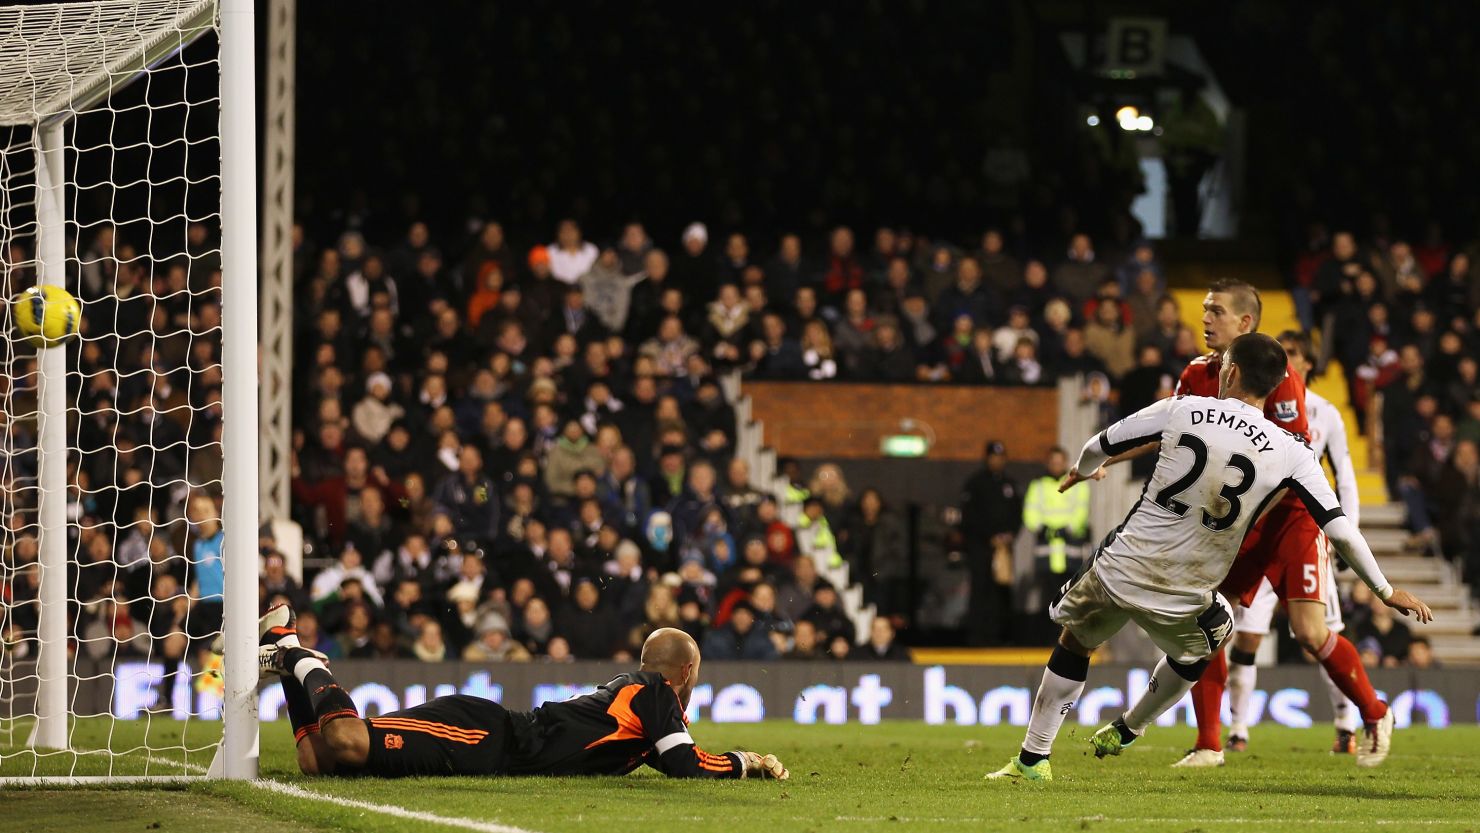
1056	696
289	641
1241	683
1348	717
1163	691
303	667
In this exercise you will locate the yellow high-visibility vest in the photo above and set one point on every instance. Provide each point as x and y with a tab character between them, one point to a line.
1045	509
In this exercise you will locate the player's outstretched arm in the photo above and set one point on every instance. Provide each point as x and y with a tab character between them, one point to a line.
676	755
678	758
1138	451
1130	437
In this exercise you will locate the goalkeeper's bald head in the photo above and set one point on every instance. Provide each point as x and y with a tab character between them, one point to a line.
675	655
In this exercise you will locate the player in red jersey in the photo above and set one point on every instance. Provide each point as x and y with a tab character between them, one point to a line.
1285	546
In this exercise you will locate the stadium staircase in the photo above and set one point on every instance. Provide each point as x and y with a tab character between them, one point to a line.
1435	580
765	475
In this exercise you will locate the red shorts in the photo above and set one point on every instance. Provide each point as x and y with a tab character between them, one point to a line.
1289	549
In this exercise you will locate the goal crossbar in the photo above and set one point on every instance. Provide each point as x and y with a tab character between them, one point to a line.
124	38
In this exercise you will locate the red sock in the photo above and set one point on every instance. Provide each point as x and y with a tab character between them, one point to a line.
1340	659
1207	702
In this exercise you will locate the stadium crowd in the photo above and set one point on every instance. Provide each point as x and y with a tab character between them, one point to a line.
526	453
1402	321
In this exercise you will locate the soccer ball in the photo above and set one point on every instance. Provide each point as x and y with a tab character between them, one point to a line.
46	315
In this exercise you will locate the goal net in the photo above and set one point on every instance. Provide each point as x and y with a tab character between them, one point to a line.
113	552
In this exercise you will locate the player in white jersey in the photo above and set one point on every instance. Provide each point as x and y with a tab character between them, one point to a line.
1328	441
1220	464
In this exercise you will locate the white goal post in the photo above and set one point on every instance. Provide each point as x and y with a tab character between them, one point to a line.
64	69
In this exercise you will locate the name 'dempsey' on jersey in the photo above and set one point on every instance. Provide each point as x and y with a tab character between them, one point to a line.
1212	416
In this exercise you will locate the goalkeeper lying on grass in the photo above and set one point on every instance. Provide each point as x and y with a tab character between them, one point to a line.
635	719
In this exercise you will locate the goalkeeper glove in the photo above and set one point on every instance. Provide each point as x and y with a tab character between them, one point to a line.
762	766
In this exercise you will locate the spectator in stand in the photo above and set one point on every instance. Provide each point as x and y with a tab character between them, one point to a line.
571	256
348	568
1002	272
494	642
805	638
1132	274
843	272
543	290
1035	291
1023	367
383	645
570	455
471	497
671	348
887	358
693	269
276	583
374	415
1141	302
1455	295
354	635
535	628
915	323
1381	636
1080	275
607	291
881	645
817	352
486	295
739	638
1169	330
490	251
337	494
1456	501
839	649
1108	339
1409	400
828	615
1402	277
698	498
429	646
310	636
775	355
787	272
1075	359
370	279
591	628
1333	277
991	513
633	249
853	334
967	297
735	258
1019	326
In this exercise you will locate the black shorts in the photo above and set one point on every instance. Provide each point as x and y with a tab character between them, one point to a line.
455	735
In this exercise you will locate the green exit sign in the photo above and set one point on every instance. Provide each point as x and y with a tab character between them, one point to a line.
903	445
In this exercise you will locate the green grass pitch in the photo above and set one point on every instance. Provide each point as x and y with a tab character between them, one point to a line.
844	778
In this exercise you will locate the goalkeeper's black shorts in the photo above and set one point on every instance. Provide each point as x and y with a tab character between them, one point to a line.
455	735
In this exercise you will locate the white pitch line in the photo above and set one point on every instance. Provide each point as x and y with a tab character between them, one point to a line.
185	765
388	809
